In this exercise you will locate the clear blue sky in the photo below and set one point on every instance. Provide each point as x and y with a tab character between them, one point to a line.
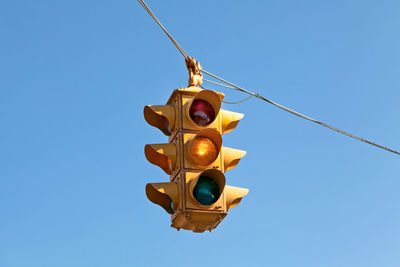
75	76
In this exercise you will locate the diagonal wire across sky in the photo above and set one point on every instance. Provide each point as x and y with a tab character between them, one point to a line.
252	94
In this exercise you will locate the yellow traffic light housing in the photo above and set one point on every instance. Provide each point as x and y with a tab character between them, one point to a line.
233	195
164	194
162	155
232	157
162	117
197	196
229	120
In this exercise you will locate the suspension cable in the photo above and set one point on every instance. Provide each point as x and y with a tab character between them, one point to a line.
237	102
301	115
237	88
228	102
183	52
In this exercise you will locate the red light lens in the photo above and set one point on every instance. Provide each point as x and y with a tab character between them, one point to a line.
201	112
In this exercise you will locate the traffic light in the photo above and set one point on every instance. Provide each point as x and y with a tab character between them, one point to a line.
196	197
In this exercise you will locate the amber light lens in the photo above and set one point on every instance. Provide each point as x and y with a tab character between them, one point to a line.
203	151
201	112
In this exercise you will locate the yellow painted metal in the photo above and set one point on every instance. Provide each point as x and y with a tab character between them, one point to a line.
233	195
229	120
162	194
198	221
161	116
194	216
232	157
193	151
162	155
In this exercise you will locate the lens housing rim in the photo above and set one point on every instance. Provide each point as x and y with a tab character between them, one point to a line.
210	97
215	175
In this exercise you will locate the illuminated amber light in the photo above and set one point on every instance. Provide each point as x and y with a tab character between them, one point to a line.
203	151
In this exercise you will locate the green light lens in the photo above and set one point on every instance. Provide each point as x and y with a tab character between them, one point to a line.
206	191
171	203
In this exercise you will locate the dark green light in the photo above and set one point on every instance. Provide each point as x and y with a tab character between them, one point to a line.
171	203
206	191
